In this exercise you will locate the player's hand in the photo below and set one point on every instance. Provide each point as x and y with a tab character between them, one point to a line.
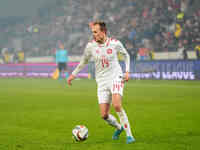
69	80
126	77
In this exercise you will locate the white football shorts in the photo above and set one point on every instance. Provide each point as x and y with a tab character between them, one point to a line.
107	88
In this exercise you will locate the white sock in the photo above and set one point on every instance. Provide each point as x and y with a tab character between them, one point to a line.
111	120
124	122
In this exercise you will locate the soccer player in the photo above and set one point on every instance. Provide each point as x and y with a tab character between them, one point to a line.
109	77
61	60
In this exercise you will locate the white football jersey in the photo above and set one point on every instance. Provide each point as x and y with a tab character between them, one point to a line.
105	57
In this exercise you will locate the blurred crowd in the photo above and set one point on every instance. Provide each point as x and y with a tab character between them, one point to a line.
144	26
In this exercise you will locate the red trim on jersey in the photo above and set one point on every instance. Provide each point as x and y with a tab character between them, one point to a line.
118	87
109	51
122	84
113	39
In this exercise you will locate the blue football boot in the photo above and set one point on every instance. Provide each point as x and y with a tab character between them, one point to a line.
117	133
130	139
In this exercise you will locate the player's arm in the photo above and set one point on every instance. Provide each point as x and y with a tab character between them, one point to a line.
120	48
84	60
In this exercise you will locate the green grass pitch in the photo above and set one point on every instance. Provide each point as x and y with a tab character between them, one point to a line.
39	114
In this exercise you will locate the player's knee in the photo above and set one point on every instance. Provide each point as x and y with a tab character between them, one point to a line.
117	107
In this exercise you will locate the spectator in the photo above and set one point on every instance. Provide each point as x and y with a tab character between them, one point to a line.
151	54
135	20
197	50
180	50
143	53
21	56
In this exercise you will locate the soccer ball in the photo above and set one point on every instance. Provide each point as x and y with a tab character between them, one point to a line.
80	133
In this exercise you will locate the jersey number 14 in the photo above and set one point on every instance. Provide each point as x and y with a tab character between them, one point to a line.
104	62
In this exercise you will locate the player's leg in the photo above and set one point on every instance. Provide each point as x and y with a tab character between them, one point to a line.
104	105
116	101
60	71
117	92
110	119
63	68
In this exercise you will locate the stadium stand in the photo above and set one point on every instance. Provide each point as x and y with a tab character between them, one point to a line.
158	26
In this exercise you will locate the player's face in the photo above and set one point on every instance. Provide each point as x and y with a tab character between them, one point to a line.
98	35
61	46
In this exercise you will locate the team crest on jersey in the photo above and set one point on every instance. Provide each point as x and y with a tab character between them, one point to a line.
109	51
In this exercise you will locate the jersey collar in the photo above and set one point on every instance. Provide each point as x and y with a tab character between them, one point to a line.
104	44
